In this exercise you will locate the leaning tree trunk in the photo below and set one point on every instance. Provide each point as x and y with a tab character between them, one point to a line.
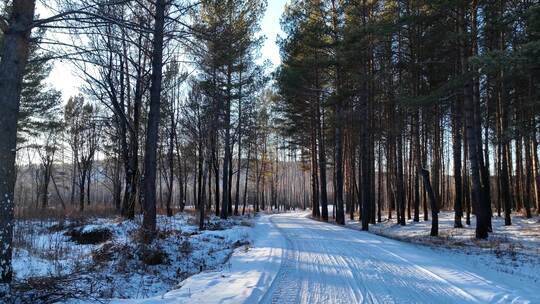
12	65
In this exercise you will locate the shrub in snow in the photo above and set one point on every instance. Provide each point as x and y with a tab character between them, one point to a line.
89	236
153	256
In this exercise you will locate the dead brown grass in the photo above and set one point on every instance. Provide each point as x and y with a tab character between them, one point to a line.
93	211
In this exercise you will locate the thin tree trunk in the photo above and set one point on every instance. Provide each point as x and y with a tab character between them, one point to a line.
246	180
433	202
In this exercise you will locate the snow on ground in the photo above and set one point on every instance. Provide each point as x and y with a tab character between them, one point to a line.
291	259
326	263
297	260
109	258
248	275
510	249
522	236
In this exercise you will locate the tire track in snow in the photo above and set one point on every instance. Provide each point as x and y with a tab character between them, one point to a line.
283	289
324	263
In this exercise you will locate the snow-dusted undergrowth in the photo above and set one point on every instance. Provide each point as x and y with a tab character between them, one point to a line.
110	258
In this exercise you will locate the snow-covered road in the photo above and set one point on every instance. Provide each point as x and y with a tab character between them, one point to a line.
324	263
297	260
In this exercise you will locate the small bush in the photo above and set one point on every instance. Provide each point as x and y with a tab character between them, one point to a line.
240	243
246	223
92	237
153	256
104	254
218	225
185	247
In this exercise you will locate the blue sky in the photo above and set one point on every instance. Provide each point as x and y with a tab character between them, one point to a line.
63	78
271	28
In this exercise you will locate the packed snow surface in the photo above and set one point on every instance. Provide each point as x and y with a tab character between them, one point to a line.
297	260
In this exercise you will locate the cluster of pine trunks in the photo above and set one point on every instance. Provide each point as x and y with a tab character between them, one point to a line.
400	133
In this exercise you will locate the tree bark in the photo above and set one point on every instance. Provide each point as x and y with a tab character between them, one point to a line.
433	202
458	184
14	58
150	157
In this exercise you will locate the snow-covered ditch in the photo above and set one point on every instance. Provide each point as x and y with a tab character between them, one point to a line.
103	259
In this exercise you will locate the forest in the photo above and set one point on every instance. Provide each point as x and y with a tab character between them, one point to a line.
185	149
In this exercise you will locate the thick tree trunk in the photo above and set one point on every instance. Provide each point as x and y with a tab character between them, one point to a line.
82	183
88	180
528	178
73	177
379	183
457	128
131	151
180	174
340	212
417	167
482	221
506	193
316	212
536	173
226	163
117	185
364	169
237	192
473	141
322	162
47	168
14	58
203	198
200	168
215	167
150	157
230	209
400	189
227	157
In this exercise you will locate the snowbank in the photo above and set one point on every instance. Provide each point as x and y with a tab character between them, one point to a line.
523	235
108	258
247	276
509	249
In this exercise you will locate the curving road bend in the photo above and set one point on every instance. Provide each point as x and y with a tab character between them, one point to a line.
325	263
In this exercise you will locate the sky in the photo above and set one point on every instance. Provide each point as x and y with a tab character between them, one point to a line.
271	28
63	78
